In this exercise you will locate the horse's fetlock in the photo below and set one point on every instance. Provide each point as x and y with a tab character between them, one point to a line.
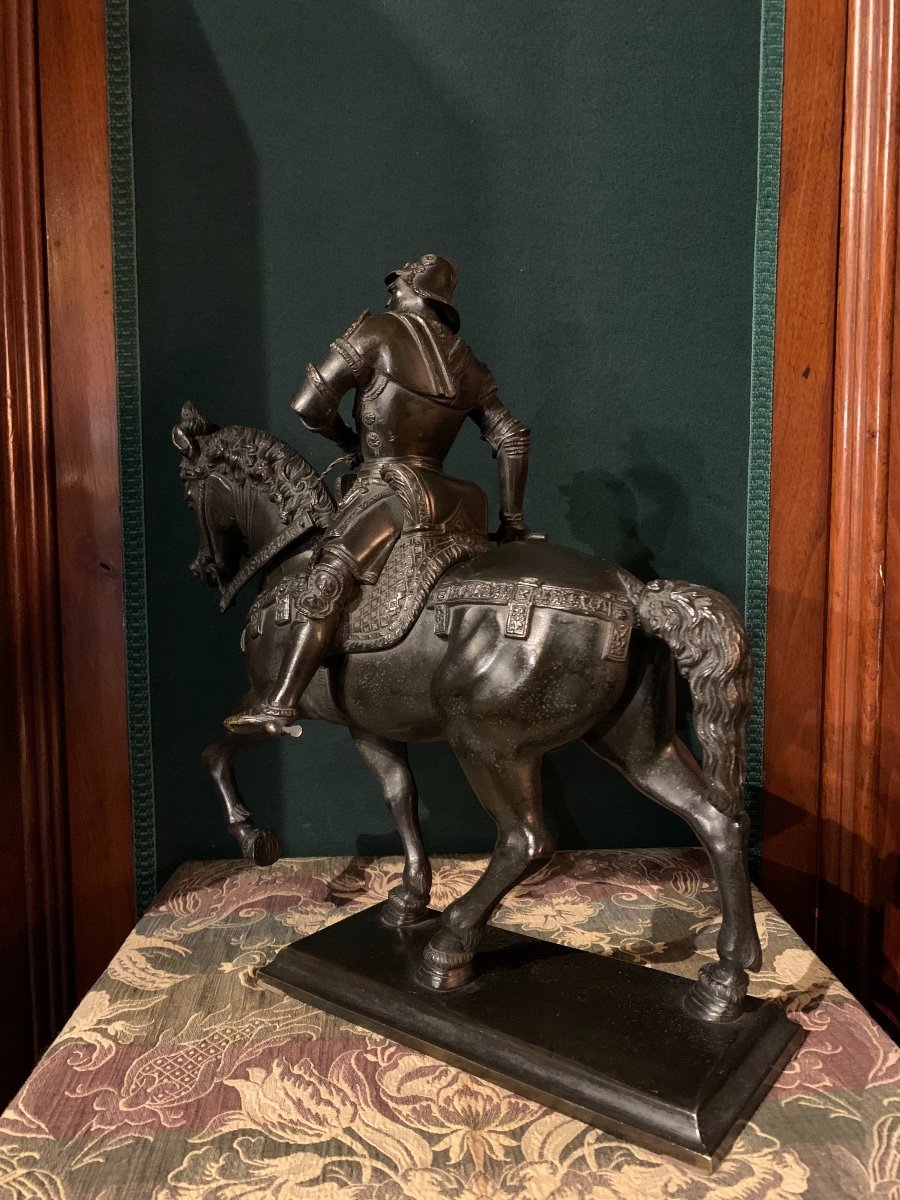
456	925
417	877
453	920
741	948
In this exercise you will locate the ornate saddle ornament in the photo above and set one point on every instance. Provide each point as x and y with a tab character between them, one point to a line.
384	612
523	596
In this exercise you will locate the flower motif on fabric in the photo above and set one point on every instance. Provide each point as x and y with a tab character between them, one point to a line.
471	1116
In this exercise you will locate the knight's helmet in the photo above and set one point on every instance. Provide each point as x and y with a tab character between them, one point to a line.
434	279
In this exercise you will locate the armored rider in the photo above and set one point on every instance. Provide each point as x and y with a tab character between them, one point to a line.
416	382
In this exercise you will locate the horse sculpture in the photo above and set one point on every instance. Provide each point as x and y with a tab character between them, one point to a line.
521	649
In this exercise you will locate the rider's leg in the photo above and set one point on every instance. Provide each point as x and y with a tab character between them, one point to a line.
320	607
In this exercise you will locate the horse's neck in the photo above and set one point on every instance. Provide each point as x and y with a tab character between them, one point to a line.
261	522
257	516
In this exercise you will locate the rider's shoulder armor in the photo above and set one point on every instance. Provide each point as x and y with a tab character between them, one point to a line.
352	347
412	353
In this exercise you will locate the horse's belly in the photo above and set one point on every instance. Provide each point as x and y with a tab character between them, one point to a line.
388	692
543	690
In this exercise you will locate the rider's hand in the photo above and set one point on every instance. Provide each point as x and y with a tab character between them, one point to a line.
512	529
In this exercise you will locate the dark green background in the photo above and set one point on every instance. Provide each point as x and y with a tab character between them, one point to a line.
592	166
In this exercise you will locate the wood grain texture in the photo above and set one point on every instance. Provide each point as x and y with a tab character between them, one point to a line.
885	962
82	362
35	931
815	40
851	849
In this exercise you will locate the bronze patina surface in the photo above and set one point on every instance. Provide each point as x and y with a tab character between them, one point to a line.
387	609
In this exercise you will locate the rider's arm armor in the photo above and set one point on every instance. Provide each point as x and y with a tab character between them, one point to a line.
318	400
509	440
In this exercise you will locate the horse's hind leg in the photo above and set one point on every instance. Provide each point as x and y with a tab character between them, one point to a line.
509	788
671	776
389	763
260	846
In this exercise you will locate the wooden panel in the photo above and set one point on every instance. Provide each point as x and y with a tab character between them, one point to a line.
885	962
852	826
82	363
34	916
815	38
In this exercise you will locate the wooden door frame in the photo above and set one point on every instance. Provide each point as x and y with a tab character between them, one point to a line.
67	861
805	310
71	39
832	783
34	877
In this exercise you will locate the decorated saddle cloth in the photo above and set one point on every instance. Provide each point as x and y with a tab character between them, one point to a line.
382	613
442	521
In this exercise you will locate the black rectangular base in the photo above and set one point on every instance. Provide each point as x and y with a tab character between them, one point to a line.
602	1040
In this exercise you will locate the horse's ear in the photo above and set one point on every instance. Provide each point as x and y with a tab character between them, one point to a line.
183	442
191	426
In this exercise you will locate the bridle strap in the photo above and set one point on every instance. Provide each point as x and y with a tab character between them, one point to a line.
206	549
289	534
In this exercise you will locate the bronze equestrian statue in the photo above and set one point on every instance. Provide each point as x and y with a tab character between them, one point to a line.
416	382
391	612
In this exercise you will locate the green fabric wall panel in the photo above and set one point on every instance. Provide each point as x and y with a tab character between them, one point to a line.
593	167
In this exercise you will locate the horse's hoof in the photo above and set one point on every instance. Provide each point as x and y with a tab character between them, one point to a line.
262	847
719	992
444	979
444	970
400	910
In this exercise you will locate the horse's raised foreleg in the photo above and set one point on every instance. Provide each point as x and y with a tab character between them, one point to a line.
260	846
388	761
509	788
669	774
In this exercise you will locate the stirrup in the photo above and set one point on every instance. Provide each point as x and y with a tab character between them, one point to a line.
272	718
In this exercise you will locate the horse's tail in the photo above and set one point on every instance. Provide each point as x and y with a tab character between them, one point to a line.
709	643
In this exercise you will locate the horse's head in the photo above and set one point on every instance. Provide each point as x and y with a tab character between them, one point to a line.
242	485
210	496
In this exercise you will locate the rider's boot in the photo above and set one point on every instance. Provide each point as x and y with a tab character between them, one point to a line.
320	607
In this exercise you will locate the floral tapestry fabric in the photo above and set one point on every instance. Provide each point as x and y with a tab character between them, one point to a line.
180	1078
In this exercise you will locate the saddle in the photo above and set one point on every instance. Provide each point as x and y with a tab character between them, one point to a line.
382	613
445	523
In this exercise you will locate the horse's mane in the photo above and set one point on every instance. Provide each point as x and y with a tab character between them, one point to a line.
284	475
